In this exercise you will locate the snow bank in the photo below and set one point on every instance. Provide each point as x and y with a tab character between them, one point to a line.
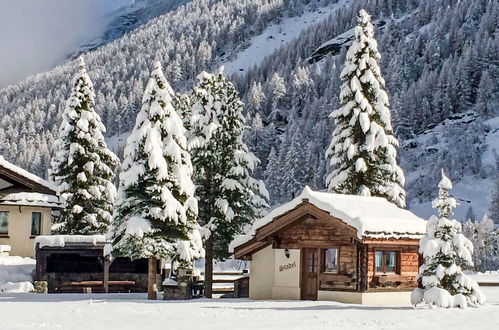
16	274
31	199
373	217
62	240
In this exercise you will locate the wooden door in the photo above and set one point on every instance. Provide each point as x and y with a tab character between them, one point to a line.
309	273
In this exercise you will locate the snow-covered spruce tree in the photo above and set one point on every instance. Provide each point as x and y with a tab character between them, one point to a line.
363	148
446	252
83	166
228	197
156	212
485	243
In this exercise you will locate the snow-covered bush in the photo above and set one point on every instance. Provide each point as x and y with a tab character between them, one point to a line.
446	252
363	148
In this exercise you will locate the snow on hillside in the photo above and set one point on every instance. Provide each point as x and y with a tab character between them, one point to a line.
471	190
277	35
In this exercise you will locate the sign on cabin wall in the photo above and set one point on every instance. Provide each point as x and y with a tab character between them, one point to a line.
287	268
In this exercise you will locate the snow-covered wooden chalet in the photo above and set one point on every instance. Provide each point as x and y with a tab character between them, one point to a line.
325	246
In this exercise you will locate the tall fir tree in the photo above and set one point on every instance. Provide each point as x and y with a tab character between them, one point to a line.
83	167
229	198
447	252
157	209
363	148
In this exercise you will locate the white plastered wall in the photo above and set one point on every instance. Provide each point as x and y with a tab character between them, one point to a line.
286	275
367	298
19	236
275	276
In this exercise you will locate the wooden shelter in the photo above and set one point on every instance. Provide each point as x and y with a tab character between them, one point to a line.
78	263
324	246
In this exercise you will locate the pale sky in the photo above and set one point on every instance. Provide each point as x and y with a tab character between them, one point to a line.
36	35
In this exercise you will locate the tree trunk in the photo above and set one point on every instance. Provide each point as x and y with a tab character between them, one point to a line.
152	288
208	268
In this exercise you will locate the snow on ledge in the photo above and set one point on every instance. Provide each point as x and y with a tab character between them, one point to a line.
5	248
62	240
30	199
373	217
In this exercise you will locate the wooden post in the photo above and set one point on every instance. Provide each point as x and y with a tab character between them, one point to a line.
105	282
364	268
208	268
152	288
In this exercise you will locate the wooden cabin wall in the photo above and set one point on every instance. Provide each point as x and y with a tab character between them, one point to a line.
405	275
323	234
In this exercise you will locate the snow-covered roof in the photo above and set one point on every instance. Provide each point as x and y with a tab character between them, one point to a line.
373	217
26	174
31	199
62	240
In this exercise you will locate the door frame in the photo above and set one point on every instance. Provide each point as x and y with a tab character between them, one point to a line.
303	266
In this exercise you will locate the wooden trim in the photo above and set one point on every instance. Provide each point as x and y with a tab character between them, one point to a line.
374	242
10	176
323	256
397	251
284	221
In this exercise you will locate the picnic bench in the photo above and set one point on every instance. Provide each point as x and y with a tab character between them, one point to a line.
90	286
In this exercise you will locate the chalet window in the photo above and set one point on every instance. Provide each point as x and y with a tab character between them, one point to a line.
331	261
36	223
4	223
386	261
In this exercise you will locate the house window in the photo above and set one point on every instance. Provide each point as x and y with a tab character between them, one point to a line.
36	223
386	261
4	223
331	261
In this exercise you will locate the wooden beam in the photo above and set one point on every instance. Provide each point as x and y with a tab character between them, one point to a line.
35	186
393	241
152	288
105	282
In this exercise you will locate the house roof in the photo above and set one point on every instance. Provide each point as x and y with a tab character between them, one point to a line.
372	217
10	172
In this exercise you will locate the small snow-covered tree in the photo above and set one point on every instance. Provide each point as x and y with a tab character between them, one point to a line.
156	213
446	252
83	166
485	243
363	148
229	198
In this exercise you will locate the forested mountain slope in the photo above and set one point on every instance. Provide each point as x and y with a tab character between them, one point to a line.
440	62
439	59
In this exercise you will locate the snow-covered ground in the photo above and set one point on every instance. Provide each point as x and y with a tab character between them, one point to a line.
277	35
133	311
